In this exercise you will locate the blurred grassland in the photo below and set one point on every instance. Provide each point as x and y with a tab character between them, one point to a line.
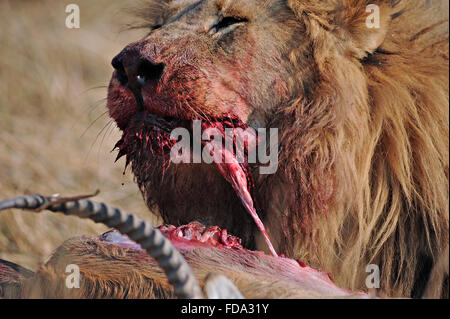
55	136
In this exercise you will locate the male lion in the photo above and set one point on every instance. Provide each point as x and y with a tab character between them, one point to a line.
359	92
362	113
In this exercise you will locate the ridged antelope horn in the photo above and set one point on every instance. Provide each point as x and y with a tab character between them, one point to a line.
159	247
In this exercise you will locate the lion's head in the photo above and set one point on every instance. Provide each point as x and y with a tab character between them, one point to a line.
362	113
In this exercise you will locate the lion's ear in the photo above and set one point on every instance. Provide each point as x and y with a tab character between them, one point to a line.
367	25
363	24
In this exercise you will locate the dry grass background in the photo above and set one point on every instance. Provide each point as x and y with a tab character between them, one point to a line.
53	136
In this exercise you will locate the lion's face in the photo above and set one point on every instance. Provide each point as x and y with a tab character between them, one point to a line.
209	60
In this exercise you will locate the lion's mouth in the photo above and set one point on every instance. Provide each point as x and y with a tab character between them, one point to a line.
152	133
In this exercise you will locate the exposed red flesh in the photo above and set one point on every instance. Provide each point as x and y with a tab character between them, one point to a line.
197	234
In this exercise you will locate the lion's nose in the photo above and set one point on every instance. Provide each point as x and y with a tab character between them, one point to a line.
135	71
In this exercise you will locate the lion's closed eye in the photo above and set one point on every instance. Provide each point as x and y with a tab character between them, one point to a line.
226	24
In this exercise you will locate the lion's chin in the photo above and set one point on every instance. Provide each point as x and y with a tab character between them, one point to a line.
152	133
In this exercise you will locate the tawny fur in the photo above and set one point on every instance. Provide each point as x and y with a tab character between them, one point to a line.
378	127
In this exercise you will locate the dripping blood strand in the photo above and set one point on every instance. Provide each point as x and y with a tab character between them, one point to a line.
237	175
